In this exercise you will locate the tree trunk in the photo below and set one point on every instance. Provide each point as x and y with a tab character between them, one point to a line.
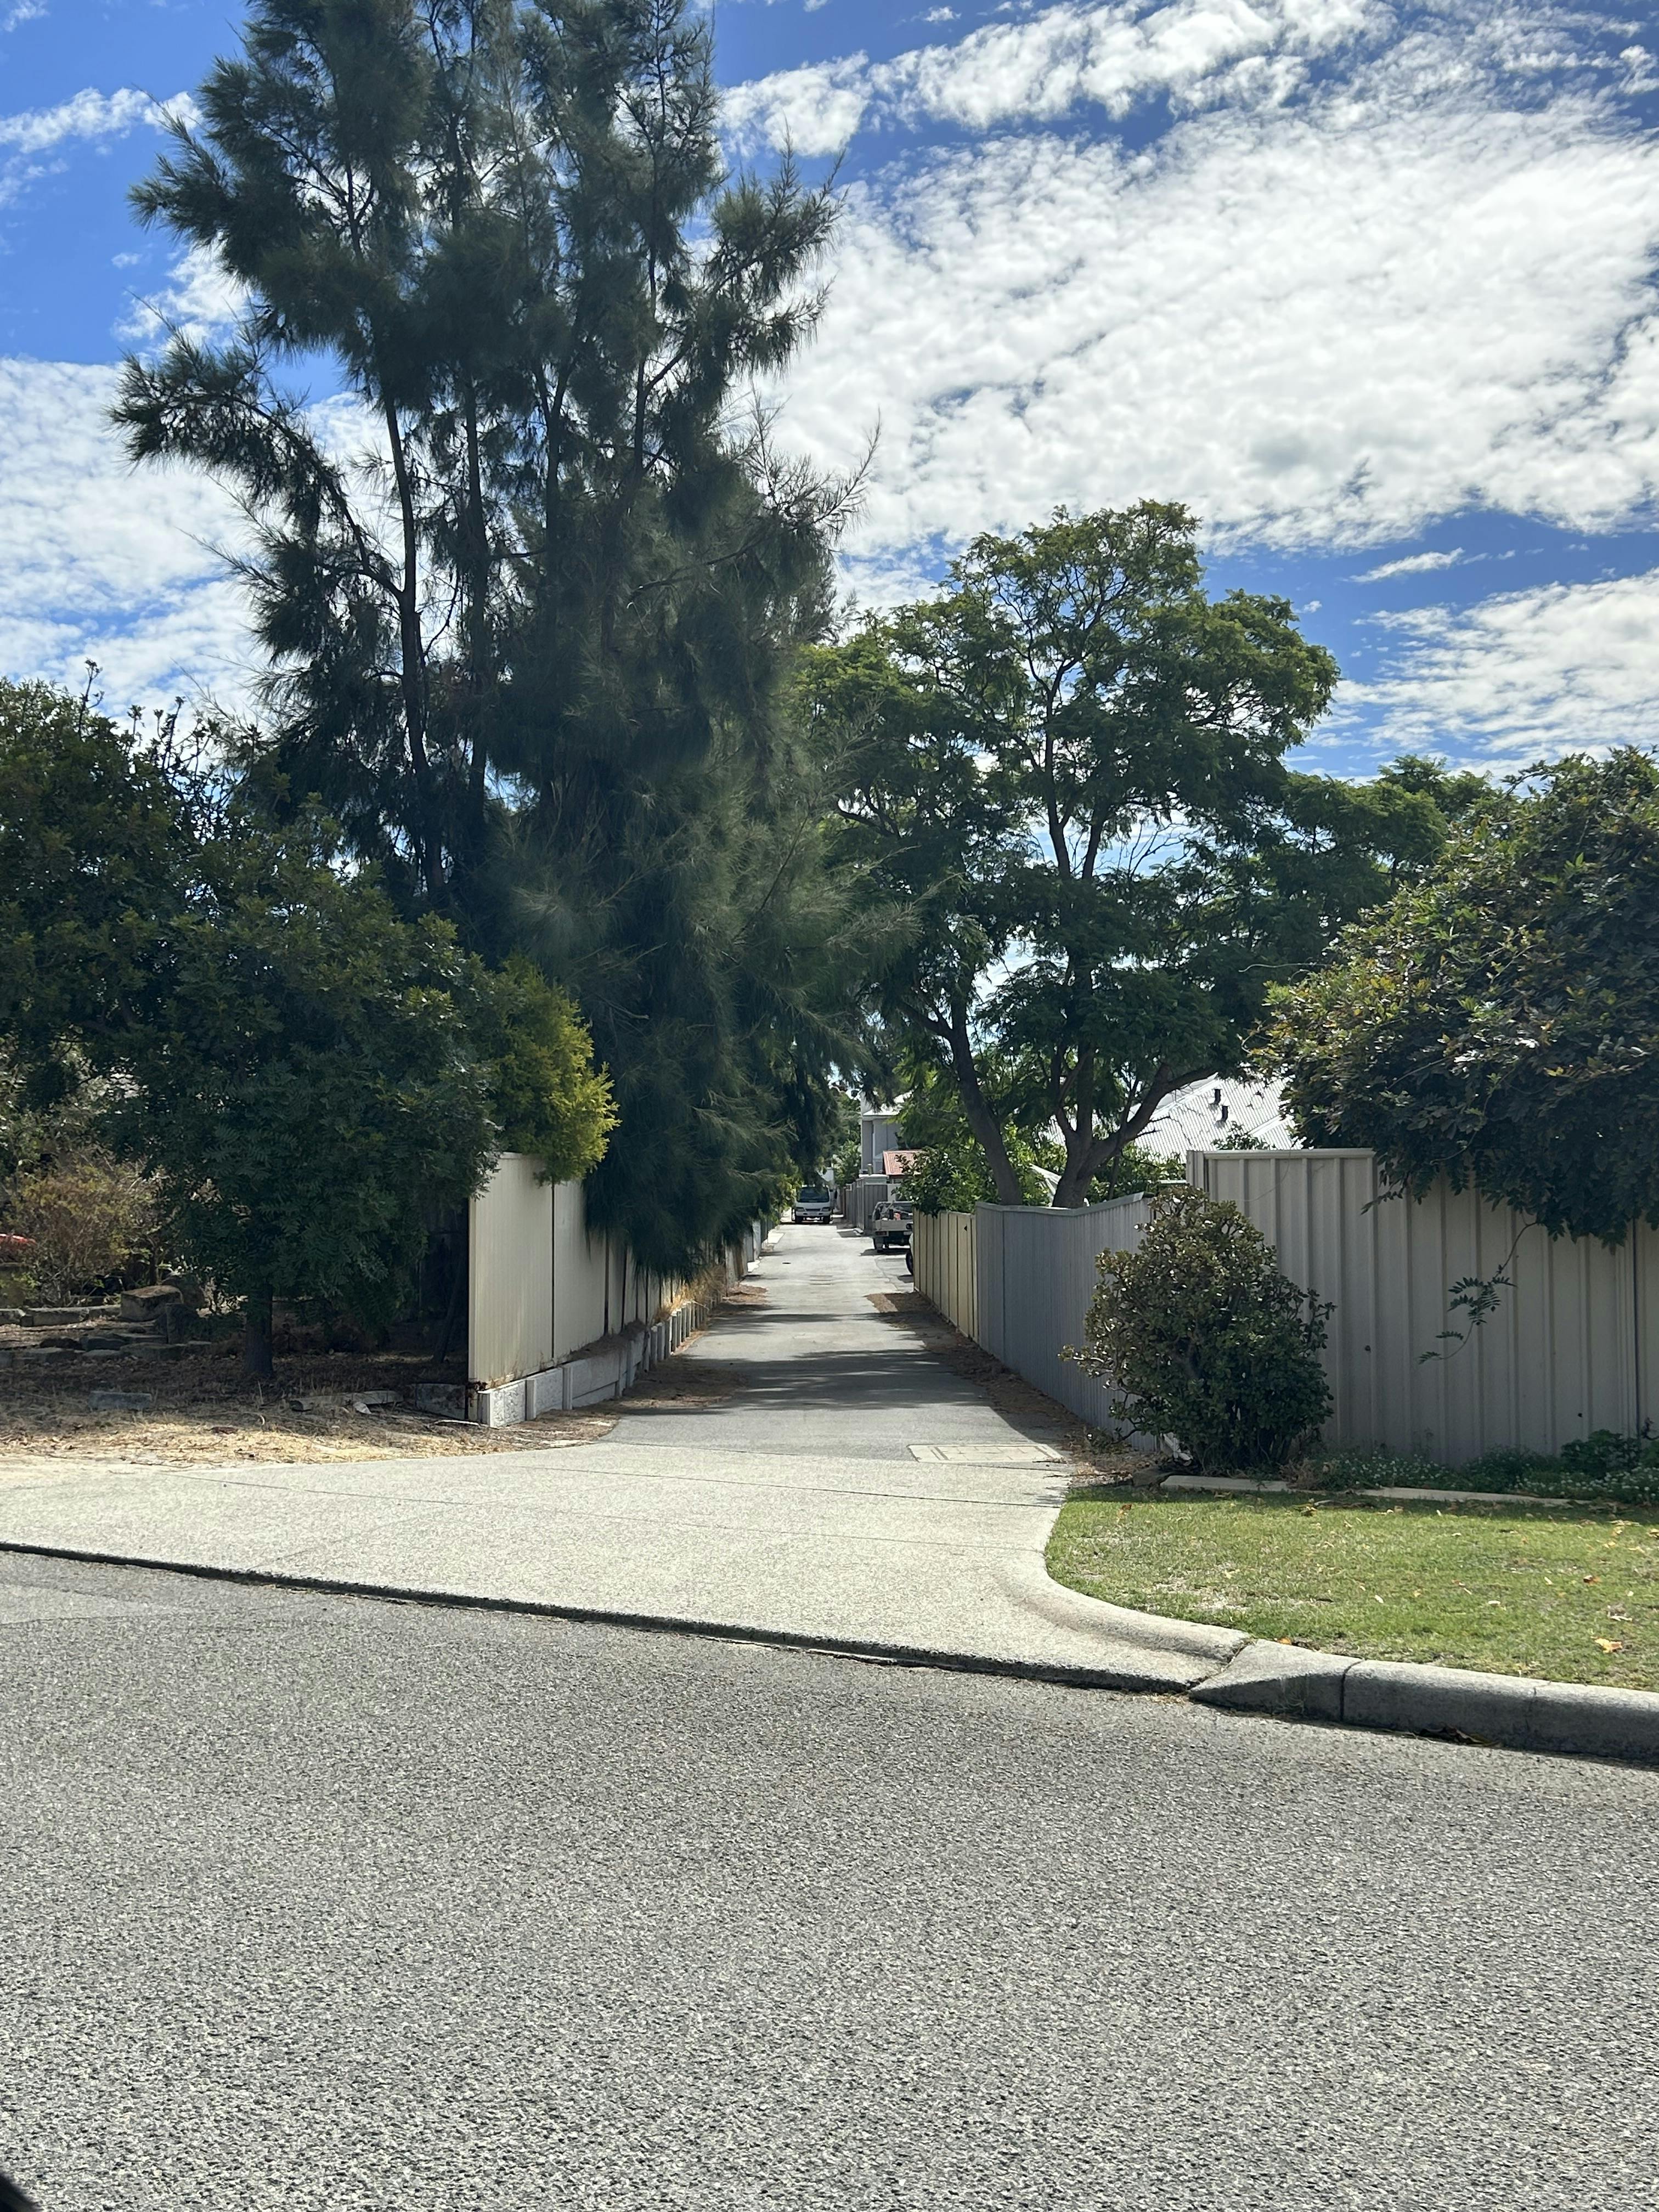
255	1335
981	1119
1087	1155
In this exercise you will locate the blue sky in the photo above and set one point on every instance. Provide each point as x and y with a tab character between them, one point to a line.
1371	287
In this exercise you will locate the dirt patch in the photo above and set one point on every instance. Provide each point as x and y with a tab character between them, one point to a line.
680	1386
204	1412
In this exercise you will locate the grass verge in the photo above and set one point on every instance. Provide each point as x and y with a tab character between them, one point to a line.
1564	1594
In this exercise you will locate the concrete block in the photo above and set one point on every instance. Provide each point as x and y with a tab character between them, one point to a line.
500	1406
1386	1693
1582	1718
1278	1678
148	1302
595	1378
544	1393
120	1401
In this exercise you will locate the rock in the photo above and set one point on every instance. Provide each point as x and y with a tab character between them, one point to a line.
11	1316
148	1302
60	1316
120	1401
370	1399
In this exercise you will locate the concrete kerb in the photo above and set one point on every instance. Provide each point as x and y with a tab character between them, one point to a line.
1078	1675
1579	1719
1141	1652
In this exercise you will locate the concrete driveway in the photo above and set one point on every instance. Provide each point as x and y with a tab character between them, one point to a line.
850	1491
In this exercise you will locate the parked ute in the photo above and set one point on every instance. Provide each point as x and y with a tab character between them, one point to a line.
814	1206
890	1224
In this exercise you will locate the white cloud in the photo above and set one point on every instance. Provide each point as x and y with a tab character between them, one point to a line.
1407	293
30	11
32	141
92	115
1041	67
1563	668
200	301
104	563
1413	564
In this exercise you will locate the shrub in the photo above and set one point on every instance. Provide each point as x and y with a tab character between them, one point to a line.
85	1216
1206	1340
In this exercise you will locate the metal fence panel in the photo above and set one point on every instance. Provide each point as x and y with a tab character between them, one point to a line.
1573	1345
509	1276
943	1264
1036	1276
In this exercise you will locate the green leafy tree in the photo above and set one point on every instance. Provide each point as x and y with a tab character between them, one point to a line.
1069	766
305	1071
1497	1022
528	645
1204	1339
949	1173
304	1084
546	1096
90	857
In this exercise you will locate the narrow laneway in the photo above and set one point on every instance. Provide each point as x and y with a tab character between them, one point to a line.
849	1489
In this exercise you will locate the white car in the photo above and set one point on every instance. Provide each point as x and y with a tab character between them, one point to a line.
816	1206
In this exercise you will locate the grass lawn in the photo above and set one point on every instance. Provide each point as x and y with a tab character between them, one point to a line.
1570	1593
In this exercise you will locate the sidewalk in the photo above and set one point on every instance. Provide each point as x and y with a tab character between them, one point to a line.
850	1492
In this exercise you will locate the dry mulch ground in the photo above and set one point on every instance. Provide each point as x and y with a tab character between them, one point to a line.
205	1412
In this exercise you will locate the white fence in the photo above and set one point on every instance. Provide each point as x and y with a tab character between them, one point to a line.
542	1288
1035	1275
1573	1345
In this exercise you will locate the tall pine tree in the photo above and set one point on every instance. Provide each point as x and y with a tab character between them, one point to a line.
530	593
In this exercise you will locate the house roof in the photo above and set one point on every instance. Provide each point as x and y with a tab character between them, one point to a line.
1209	1112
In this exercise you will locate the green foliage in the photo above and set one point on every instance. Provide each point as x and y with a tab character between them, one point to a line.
305	1072
546	1096
1069	767
1135	1168
1499	1023
535	666
85	1214
303	1081
952	1173
1205	1340
1602	1465
90	852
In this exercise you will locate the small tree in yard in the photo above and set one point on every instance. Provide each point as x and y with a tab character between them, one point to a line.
1497	1022
1206	1340
83	1217
304	1072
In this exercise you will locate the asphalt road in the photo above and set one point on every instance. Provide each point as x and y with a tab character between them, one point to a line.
315	1901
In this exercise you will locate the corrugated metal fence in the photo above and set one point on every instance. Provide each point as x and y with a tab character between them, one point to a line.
541	1284
1573	1345
1035	1275
942	1248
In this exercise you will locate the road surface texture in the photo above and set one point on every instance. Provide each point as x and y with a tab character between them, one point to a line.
851	1490
323	1902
